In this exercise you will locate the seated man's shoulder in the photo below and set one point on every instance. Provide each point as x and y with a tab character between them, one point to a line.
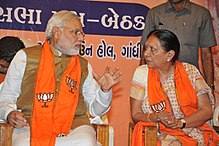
33	47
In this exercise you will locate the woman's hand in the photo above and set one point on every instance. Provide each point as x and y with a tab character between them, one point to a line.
168	120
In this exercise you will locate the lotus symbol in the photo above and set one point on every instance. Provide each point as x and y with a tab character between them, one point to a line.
45	97
159	107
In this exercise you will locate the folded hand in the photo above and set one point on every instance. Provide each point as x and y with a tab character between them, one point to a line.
17	119
168	120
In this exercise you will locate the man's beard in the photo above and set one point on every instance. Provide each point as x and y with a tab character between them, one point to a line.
72	51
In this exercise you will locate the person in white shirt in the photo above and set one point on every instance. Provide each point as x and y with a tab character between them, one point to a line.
21	103
9	46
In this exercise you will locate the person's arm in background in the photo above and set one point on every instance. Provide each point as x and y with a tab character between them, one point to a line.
207	40
208	66
11	90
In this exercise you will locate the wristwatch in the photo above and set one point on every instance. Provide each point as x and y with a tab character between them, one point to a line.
184	123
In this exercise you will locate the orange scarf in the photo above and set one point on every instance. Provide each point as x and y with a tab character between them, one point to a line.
53	115
2	77
187	99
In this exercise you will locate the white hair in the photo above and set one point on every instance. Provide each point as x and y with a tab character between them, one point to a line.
58	20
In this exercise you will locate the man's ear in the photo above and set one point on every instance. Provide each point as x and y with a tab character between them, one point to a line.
56	32
170	55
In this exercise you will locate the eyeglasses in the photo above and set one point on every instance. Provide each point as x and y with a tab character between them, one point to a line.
76	32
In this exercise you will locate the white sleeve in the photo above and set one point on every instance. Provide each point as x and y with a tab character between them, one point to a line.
11	88
98	102
140	83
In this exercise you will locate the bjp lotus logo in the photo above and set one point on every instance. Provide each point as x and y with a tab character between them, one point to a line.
45	97
71	83
159	106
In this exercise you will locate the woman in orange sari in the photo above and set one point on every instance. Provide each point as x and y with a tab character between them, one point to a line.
171	95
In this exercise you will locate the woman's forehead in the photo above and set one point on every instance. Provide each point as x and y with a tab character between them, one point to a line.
152	40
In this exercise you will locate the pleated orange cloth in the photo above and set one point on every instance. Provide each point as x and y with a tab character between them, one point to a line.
53	114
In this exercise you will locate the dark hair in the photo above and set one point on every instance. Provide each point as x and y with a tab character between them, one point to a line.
168	40
9	46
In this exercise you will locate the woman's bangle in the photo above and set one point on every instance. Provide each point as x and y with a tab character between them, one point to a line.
148	117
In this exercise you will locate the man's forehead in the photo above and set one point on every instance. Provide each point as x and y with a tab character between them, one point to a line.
73	23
